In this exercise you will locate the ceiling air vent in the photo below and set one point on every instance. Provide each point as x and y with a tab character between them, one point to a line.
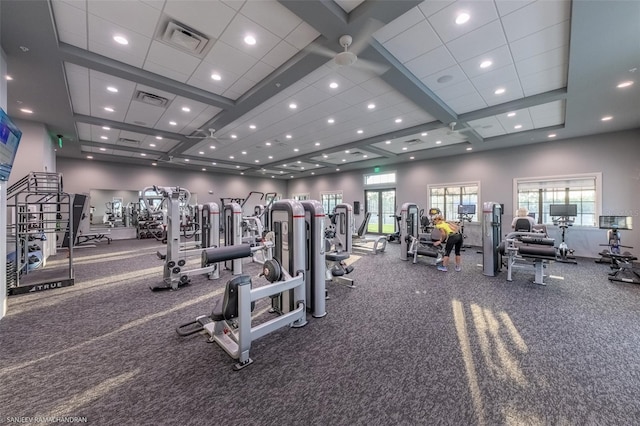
413	141
151	99
128	142
184	38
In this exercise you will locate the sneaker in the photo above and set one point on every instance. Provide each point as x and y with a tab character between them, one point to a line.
442	268
458	268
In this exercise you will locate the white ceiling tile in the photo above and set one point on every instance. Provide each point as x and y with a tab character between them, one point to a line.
404	47
549	114
241	26
101	41
544	81
454	91
507	6
513	91
271	15
170	62
156	4
488	127
550	59
535	17
258	72
84	131
469	102
71	23
133	15
522	116
494	78
150	115
101	98
398	25
202	78
78	81
343	84
374	87
429	7
500	57
302	35
279	54
431	62
223	57
540	42
456	73
443	22
484	39
206	17
238	88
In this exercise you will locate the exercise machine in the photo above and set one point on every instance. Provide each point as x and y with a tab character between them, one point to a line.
621	263
414	243
465	214
230	324
563	216
360	240
528	248
338	246
491	238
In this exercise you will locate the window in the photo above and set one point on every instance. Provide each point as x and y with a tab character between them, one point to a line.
448	197
301	197
330	200
536	194
378	179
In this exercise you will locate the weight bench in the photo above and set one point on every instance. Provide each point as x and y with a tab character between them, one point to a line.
622	268
530	247
337	269
359	238
423	246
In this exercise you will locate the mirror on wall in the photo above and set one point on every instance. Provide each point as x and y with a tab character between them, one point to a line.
113	208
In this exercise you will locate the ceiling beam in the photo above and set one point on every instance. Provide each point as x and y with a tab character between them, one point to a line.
530	101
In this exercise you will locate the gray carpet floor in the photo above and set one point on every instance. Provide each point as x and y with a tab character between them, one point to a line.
409	346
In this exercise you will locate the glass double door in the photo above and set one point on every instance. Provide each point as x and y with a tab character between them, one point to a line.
381	203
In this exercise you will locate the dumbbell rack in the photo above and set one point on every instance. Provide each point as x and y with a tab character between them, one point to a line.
41	212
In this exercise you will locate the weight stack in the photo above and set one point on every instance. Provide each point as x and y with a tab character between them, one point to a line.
11	274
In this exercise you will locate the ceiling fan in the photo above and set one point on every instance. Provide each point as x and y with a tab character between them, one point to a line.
206	136
171	160
349	56
462	128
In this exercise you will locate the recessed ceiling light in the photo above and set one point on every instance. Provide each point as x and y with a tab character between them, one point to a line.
291	176
267	143
106	128
104	137
90	157
112	89
201	152
250	40
142	154
212	146
186	109
281	171
103	149
313	173
288	136
215	76
404	148
284	165
270	157
511	114
257	161
346	151
317	144
624	84
159	138
337	170
552	135
360	132
237	167
333	85
244	152
325	156
365	156
186	159
173	123
485	64
500	91
462	18
518	126
371	106
331	121
204	170
295	150
411	158
398	120
252	126
234	136
607	118
108	109
242	173
231	157
387	142
8	77
469	148
423	134
214	163
298	161
120	39
152	145
438	142
293	106
317	165
154	164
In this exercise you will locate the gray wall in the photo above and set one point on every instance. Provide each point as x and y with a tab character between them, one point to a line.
615	155
81	176
36	152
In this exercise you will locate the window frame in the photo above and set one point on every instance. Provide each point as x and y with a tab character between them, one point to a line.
477	217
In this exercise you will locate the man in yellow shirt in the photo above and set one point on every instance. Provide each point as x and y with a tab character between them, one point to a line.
452	239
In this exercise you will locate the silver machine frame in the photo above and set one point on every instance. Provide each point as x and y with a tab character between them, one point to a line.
491	237
175	259
409	223
232	216
316	261
288	294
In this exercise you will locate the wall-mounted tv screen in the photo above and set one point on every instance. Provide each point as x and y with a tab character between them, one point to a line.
9	139
563	210
467	209
615	222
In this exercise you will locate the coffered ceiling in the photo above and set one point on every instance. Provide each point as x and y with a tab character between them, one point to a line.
186	88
